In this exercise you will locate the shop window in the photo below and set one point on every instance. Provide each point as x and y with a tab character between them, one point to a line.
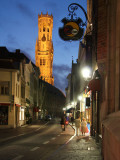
3	115
21	114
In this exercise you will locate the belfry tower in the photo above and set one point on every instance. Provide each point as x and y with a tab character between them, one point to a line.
44	47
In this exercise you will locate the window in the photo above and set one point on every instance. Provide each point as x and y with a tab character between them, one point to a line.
22	91
43	29
4	88
43	61
40	61
21	114
47	29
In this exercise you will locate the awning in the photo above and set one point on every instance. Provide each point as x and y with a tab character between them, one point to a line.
94	85
18	105
5	104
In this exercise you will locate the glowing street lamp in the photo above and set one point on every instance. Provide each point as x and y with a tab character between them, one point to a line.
80	98
86	72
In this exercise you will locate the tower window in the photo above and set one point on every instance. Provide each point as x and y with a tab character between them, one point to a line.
43	29
42	61
43	38
47	29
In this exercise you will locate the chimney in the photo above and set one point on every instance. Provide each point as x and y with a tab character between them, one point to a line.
17	51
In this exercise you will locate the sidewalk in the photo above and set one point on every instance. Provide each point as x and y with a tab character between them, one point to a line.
79	148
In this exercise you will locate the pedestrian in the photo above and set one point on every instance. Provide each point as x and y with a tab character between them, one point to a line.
72	120
83	126
62	122
67	121
77	125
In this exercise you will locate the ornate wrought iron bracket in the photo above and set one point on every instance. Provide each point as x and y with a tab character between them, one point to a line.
74	6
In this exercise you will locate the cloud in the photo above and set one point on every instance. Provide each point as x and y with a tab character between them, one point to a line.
11	40
60	82
25	10
52	5
62	68
60	73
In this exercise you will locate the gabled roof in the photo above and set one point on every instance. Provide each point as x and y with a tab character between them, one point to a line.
17	56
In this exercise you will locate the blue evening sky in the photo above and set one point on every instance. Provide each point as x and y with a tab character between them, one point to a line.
19	30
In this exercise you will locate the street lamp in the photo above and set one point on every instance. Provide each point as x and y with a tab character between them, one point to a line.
86	73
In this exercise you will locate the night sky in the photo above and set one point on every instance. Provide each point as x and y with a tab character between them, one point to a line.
19	30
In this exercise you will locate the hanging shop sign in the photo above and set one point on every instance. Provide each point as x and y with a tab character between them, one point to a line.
73	28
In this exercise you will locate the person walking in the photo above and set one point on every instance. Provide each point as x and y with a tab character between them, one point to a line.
83	126
63	119
72	120
77	125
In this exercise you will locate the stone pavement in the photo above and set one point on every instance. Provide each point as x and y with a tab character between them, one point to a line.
79	148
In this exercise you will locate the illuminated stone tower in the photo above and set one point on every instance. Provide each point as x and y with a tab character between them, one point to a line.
44	47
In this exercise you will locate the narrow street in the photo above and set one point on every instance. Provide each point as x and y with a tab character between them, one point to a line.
47	142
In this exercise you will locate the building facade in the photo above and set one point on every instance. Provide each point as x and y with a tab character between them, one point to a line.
104	83
44	47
